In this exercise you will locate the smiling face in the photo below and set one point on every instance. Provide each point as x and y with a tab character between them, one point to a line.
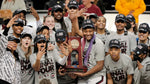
17	29
49	21
72	10
88	33
142	35
120	25
101	23
58	14
26	42
114	53
41	44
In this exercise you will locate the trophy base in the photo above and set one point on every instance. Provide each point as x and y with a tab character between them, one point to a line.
76	68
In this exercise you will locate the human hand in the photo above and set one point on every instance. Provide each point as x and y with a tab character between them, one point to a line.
50	47
140	66
34	13
81	12
80	74
12	21
40	53
72	75
61	71
64	48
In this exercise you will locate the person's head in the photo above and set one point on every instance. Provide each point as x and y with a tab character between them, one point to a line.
131	20
140	52
61	36
39	43
73	6
57	12
88	29
120	22
25	40
49	21
86	2
101	23
21	13
143	32
93	17
18	27
13	41
114	49
25	43
44	30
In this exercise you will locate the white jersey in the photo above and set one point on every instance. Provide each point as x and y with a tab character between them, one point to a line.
120	69
128	42
10	69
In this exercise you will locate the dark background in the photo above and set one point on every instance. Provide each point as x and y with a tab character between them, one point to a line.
45	4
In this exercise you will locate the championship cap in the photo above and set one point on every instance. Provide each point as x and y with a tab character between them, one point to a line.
87	24
39	38
19	22
40	28
57	8
26	35
19	11
120	17
60	36
114	43
93	15
73	3
141	49
144	27
12	38
130	18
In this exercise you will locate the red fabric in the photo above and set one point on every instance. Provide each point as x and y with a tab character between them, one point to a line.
93	9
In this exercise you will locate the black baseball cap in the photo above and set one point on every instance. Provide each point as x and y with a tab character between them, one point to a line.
19	22
12	38
144	27
60	35
73	3
120	17
19	11
130	18
93	15
114	43
57	8
87	24
39	38
141	49
26	35
40	28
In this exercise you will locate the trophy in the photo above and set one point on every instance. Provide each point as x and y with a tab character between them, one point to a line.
75	59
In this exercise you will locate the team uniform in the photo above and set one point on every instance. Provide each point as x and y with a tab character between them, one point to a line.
47	66
128	42
10	69
27	72
142	76
96	54
119	69
103	37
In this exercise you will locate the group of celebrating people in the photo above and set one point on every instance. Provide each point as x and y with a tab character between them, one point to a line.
39	57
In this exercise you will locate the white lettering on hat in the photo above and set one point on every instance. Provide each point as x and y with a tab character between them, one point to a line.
73	2
144	25
139	46
60	34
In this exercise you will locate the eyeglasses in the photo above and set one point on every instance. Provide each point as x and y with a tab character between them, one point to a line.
42	42
144	32
120	21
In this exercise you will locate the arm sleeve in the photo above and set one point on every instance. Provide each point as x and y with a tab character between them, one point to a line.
140	9
99	12
120	8
58	59
68	24
2	5
145	71
38	23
